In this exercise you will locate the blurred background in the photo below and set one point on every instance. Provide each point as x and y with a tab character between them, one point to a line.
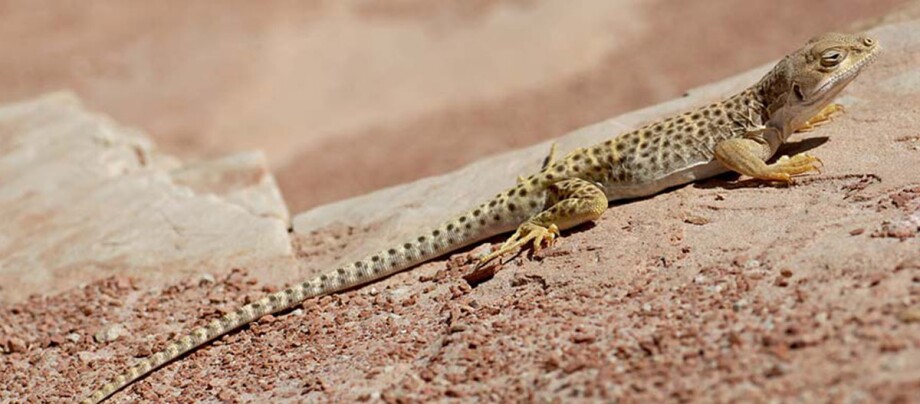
347	96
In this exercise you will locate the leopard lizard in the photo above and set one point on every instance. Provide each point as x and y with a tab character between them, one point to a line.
740	133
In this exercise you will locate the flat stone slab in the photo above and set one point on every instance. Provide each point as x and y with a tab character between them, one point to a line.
82	198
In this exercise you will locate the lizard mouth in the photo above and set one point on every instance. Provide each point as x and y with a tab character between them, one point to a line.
846	76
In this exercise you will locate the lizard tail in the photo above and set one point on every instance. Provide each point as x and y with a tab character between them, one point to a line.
448	237
272	303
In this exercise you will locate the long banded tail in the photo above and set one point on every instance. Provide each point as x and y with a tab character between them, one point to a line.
451	235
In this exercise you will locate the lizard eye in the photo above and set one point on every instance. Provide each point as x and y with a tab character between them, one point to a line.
797	90
831	58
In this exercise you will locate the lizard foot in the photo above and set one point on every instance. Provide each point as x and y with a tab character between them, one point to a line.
786	167
822	117
526	234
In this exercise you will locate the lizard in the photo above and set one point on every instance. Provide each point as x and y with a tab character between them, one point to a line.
740	133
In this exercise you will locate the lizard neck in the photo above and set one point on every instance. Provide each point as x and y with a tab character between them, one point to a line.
755	103
772	93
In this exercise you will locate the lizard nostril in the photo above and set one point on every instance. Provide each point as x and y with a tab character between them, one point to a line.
868	41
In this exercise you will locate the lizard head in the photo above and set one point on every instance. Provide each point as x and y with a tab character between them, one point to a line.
807	80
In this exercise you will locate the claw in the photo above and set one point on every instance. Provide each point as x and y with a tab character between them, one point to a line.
528	233
786	167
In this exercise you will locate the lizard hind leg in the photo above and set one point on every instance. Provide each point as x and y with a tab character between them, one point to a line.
571	202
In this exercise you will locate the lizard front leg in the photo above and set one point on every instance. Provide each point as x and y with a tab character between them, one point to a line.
747	156
571	202
823	116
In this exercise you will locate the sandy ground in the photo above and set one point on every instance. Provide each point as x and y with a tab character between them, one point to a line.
721	291
376	93
653	319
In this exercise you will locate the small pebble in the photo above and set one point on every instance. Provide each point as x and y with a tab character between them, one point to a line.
752	264
583	338
110	333
740	304
17	345
910	315
205	279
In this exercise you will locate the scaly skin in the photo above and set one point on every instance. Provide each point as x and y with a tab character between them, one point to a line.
738	134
